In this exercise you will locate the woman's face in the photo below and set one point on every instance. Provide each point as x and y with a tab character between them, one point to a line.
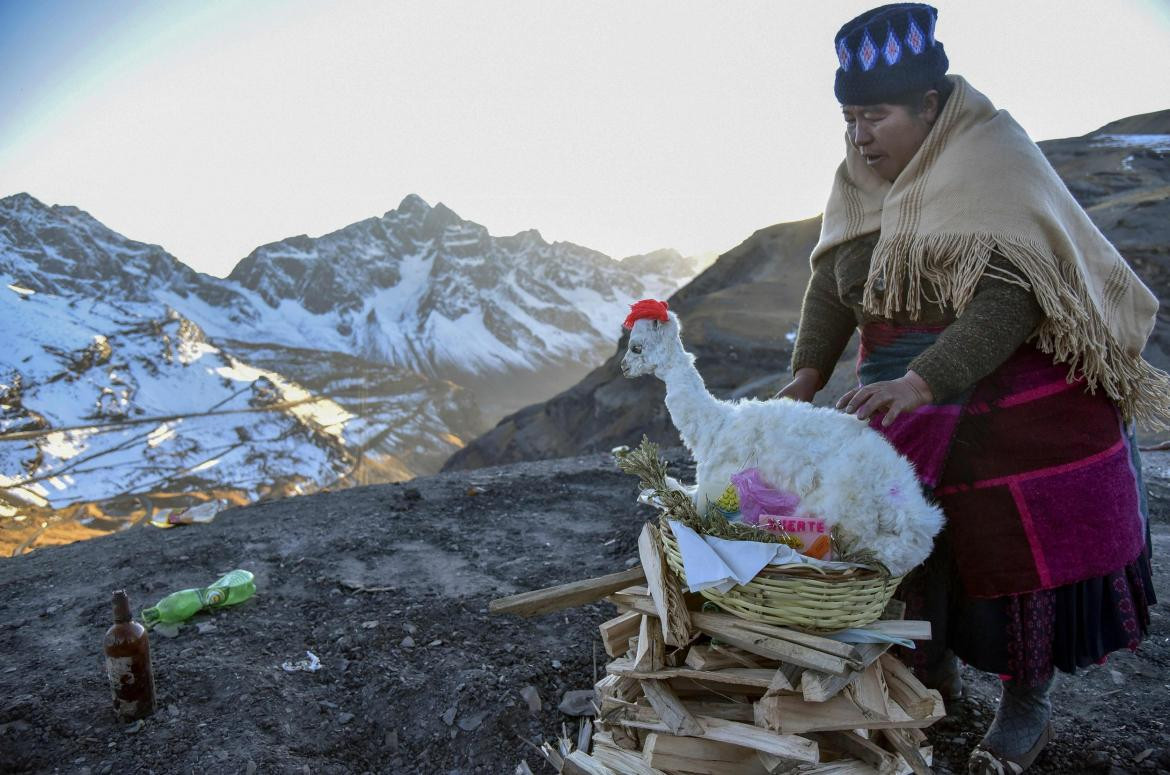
888	136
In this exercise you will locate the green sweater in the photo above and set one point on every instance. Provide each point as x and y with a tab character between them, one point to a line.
999	318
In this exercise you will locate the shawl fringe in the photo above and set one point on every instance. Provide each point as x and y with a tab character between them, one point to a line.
944	269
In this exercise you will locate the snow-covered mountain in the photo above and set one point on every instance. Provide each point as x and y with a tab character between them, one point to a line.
100	406
64	251
422	288
419	288
134	375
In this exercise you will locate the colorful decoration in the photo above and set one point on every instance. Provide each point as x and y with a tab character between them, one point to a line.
844	54
892	50
914	38
647	309
867	53
728	502
757	497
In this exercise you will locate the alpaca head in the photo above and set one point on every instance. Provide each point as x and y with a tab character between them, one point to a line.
654	341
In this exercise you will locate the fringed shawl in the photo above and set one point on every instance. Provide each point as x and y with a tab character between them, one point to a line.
978	185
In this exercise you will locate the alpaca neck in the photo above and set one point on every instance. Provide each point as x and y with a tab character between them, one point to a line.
696	413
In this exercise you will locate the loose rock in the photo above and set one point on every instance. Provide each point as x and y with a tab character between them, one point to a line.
532	697
577	702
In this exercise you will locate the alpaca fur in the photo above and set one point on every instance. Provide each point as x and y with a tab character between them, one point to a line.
844	471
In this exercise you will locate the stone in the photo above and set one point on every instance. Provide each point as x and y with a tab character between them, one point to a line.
166	629
344	718
1097	760
407	642
532	697
449	716
472	722
577	702
205	627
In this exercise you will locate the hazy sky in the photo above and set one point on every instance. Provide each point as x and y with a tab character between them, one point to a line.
213	127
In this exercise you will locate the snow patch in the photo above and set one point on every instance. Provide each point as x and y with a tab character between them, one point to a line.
1160	143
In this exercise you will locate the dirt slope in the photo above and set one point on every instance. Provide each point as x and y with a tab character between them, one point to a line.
450	702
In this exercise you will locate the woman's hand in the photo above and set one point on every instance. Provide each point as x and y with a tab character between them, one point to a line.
804	385
893	397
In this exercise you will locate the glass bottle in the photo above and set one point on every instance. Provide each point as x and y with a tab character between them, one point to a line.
128	663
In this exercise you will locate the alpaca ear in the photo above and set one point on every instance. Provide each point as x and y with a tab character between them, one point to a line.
657	324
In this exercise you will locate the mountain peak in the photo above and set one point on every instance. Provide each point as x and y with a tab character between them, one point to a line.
25	206
413	204
440	217
22	201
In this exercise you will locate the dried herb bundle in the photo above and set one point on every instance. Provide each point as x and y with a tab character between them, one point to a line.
646	464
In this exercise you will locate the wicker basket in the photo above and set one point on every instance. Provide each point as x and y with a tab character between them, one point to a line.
798	595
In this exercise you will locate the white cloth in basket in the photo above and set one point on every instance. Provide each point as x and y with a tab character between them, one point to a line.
721	563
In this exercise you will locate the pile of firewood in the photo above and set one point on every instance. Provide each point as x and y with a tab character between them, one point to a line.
701	692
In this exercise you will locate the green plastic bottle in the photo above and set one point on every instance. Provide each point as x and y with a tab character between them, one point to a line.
235	587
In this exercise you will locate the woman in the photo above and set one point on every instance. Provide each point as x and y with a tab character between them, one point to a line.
1000	351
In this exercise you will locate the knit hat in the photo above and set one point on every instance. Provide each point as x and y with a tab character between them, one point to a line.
887	52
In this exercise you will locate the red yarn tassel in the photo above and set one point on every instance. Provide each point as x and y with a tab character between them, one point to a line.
646	309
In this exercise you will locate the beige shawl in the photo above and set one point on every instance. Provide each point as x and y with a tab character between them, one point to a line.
977	186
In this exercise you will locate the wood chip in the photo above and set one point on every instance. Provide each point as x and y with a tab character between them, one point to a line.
699	756
575	593
670	708
907	690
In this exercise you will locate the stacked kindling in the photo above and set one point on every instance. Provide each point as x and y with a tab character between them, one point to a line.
700	692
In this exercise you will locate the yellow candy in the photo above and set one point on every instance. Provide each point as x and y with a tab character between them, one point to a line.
729	500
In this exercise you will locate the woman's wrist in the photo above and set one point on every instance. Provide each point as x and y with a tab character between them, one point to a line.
804	385
918	384
808	375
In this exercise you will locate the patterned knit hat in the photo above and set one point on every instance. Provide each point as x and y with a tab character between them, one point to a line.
887	52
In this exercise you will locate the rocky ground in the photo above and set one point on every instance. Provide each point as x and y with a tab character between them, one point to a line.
389	585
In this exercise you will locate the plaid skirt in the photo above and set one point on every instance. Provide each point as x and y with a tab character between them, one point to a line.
1025	637
1045	560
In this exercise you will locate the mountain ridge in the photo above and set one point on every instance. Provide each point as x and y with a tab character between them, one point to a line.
420	326
739	316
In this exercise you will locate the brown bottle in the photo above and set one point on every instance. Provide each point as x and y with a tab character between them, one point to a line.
128	663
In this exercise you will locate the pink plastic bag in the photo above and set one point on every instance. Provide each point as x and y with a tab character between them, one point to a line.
757	497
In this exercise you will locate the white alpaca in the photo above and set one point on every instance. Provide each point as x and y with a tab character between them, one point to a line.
843	471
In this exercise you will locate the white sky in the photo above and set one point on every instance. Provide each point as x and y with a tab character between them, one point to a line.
212	128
